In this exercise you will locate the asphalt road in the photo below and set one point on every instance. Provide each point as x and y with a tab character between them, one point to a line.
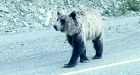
45	52
121	57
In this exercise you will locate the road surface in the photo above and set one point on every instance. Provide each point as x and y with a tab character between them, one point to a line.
37	53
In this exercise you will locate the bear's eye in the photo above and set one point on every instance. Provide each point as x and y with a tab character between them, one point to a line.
62	21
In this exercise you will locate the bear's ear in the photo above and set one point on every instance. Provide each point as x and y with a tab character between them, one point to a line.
73	15
58	13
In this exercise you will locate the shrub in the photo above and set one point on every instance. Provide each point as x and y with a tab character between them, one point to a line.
130	5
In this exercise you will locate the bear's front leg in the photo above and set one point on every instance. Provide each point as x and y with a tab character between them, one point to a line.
83	57
73	61
78	48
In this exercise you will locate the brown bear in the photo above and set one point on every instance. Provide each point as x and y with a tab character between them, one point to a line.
79	27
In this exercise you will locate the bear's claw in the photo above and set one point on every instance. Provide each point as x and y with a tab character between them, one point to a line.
69	65
97	57
84	60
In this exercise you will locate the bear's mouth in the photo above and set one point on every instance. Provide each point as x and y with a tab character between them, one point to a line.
62	30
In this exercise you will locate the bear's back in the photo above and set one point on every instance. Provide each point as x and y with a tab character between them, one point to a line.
91	24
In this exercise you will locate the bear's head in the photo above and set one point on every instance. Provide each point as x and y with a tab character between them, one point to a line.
67	23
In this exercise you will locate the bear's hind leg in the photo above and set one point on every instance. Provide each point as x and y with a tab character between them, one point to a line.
83	57
98	45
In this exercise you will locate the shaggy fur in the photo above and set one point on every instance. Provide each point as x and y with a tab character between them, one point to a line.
79	27
90	24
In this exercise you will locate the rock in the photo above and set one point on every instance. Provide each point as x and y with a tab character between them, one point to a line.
36	25
3	8
26	24
19	24
3	23
41	10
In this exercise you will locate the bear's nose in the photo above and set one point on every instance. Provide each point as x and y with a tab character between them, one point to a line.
55	27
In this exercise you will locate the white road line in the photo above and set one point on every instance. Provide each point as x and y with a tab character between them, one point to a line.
102	66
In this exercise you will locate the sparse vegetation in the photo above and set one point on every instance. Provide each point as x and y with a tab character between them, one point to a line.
130	5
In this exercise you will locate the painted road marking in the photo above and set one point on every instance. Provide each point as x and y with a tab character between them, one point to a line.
102	66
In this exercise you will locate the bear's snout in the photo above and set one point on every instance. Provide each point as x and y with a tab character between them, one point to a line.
58	28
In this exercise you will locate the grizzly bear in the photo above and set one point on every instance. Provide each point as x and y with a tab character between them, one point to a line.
79	27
